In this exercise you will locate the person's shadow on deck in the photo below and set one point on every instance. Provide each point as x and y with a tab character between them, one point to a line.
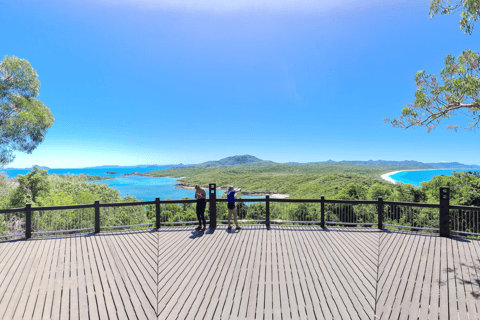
196	234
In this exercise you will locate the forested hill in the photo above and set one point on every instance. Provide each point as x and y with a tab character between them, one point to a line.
252	161
232	161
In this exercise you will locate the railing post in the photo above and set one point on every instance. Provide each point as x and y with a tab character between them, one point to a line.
322	212
157	213
97	216
444	224
212	199
28	220
267	211
380	213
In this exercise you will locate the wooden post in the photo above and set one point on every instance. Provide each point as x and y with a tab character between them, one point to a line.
212	199
380	213
444	223
322	214
97	216
267	211
157	213
28	220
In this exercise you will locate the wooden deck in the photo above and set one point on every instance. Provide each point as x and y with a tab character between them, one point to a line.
284	273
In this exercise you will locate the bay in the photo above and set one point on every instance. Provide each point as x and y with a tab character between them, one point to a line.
141	187
416	177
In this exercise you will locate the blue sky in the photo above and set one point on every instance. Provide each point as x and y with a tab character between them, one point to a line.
161	82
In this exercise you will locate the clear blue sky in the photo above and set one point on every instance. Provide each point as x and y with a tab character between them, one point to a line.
161	81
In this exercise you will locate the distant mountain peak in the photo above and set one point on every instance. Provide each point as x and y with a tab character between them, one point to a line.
230	161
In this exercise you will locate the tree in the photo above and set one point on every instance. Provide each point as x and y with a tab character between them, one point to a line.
36	182
24	120
460	91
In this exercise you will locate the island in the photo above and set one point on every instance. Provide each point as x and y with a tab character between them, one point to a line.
111	172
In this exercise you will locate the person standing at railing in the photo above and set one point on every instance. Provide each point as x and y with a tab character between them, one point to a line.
201	197
231	207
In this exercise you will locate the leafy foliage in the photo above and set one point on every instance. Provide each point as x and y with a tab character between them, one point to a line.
470	11
461	83
433	102
24	120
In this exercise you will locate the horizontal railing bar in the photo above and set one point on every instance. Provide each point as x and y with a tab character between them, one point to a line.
394	225
132	225
351	223
5	211
296	200
126	204
245	200
412	204
13	235
62	231
300	222
465	208
472	233
179	222
352	201
176	201
239	221
79	206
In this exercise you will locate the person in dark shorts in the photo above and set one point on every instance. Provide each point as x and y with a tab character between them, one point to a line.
201	197
231	207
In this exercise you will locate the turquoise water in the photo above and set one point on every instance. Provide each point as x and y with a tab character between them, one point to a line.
102	172
417	177
143	188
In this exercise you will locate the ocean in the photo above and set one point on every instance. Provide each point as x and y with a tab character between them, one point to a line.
143	188
416	177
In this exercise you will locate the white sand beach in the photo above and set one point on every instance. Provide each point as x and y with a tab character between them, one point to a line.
387	175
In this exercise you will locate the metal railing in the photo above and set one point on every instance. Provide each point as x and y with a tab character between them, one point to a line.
442	218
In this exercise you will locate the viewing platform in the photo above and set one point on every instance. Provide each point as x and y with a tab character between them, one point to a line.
285	272
292	259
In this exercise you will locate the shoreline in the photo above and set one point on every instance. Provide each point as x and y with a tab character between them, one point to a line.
386	176
245	193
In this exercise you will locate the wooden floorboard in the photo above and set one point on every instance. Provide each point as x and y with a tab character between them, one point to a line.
287	272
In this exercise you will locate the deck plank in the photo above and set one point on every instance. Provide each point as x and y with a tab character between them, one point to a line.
20	279
444	275
342	302
468	310
322	309
277	309
435	291
410	307
227	298
288	272
312	295
244	291
219	302
137	275
474	271
12	267
188	304
194	273
210	298
48	272
106	304
427	282
406	287
92	298
31	295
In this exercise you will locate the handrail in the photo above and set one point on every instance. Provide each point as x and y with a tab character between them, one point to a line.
471	208
412	204
444	207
